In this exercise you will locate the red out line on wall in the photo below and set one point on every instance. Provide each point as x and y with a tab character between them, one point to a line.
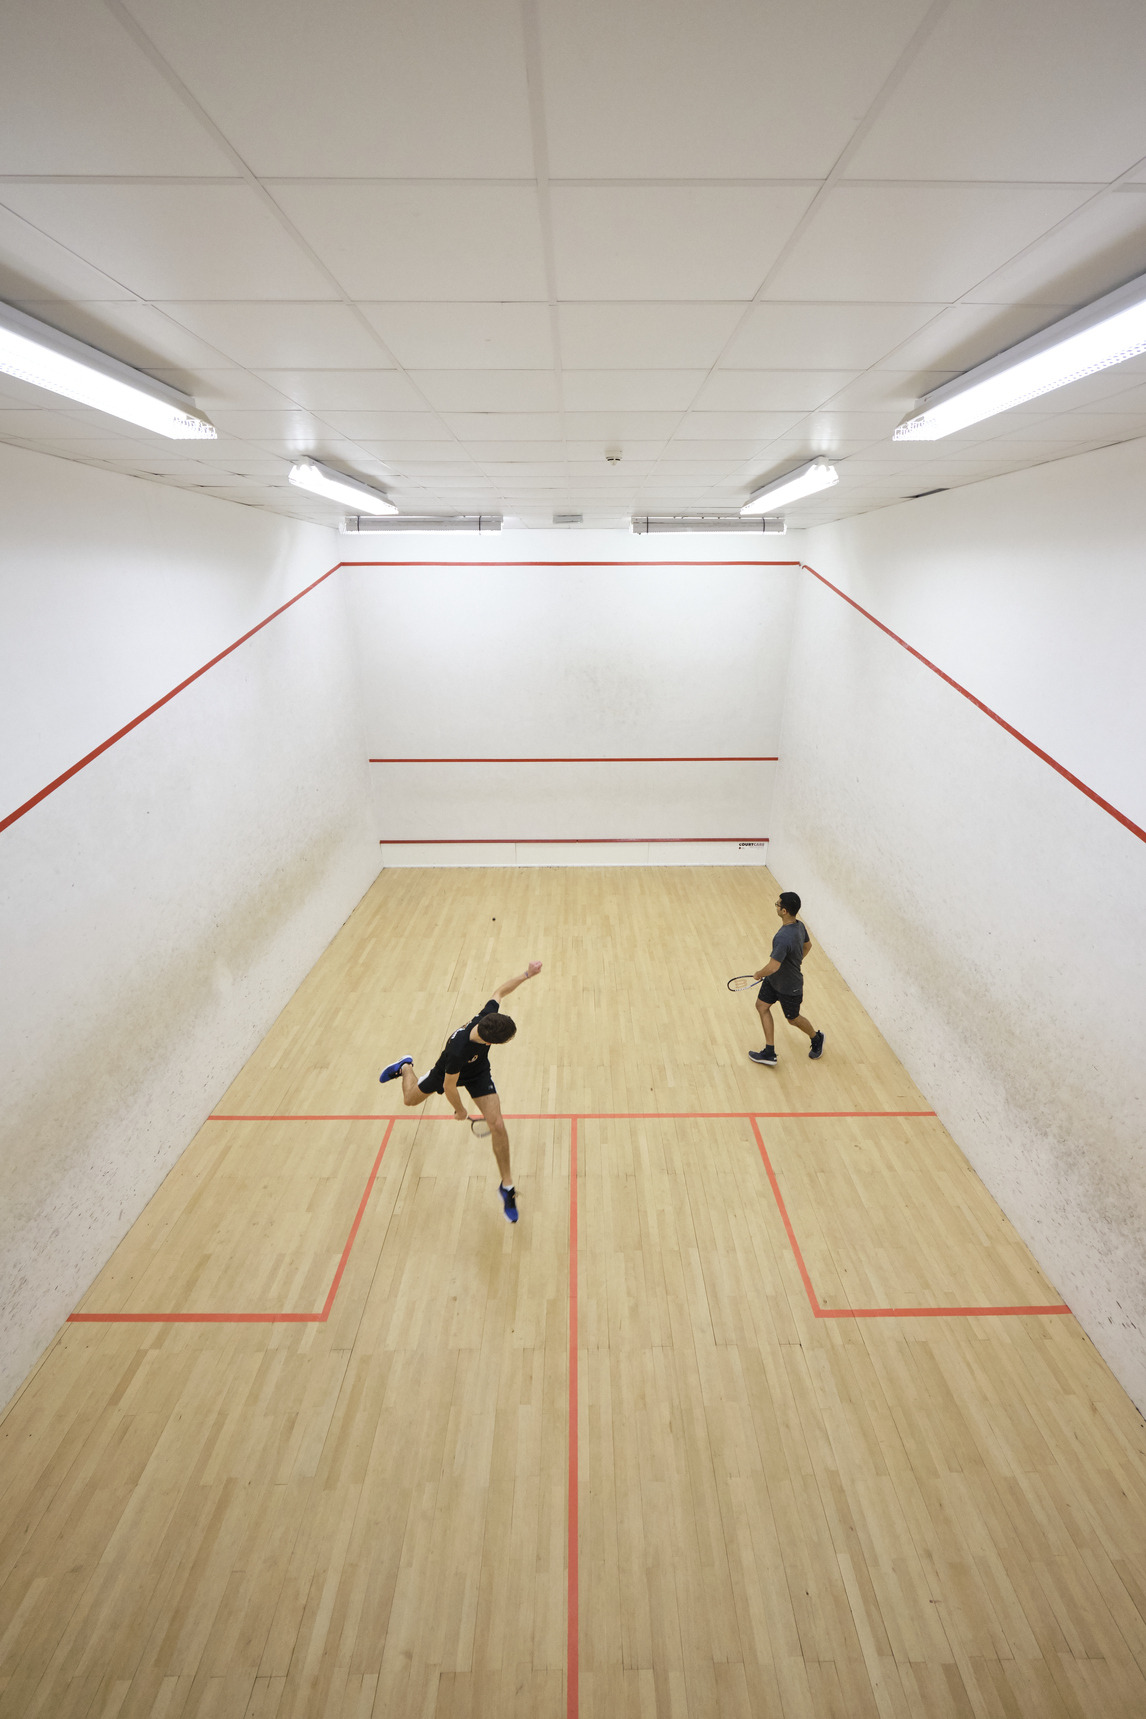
547	841
1068	775
573	760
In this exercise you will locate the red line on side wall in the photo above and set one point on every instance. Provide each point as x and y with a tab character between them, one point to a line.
1127	823
572	1658
91	756
731	760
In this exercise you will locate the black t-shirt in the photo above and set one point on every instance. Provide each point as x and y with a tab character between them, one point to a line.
461	1055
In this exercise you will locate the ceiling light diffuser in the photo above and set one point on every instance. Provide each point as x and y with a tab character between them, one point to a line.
34	352
808	479
643	523
432	522
332	485
1106	332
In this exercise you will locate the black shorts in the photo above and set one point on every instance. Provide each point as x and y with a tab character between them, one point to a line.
790	1005
478	1082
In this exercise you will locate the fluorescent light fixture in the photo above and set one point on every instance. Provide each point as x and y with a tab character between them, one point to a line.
410	522
808	479
36	353
680	522
318	479
1106	332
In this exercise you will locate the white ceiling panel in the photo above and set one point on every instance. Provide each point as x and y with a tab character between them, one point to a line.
174	241
618	426
757	427
319	336
489	390
465	336
670	242
645	336
424	240
347	390
215	388
963	335
824	336
500	426
1035	89
1098	249
35	267
731	89
352	88
770	390
127	329
255	426
631	390
78	96
910	242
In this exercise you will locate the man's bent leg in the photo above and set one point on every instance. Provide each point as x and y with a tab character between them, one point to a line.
490	1106
411	1091
764	1010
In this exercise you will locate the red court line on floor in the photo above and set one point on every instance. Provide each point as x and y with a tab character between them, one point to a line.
572	1657
568	1115
1066	774
636	566
877	1312
726	760
548	841
257	1318
119	734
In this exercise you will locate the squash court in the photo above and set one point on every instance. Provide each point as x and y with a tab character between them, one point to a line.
312	1444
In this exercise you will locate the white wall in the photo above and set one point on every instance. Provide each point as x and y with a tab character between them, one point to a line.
541	660
989	915
160	908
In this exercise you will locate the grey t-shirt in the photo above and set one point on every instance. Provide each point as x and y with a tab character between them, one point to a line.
788	949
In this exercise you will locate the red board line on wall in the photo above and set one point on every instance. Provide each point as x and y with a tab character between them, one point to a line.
1068	775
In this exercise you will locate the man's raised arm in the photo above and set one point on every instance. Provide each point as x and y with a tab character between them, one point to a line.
531	972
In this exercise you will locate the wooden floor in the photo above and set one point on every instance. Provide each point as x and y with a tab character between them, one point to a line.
307	1451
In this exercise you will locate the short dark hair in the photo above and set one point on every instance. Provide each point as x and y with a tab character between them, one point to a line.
790	902
496	1029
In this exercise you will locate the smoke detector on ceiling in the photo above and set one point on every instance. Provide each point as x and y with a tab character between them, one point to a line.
613	455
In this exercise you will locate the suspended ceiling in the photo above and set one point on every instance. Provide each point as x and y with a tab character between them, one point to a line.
467	248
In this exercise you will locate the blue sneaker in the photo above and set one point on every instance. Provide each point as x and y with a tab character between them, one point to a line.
509	1201
394	1069
817	1049
767	1057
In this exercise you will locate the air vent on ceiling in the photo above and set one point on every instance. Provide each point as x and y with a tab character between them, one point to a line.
568	519
771	525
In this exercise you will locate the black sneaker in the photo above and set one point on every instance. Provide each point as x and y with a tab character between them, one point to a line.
767	1057
817	1046
509	1201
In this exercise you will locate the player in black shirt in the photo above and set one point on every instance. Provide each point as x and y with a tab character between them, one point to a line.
464	1062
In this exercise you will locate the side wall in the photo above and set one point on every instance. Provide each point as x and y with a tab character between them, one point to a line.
160	907
989	915
674	654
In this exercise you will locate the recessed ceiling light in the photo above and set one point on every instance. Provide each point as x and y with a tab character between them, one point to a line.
34	352
808	479
318	479
1106	332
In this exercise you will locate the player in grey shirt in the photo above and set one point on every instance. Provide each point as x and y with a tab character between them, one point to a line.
782	981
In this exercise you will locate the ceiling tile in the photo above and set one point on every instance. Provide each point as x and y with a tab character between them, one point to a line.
34	267
346	390
497	426
489	390
135	333
617	426
724	90
174	241
215	388
1038	89
1095	251
645	336
430	89
424	241
824	336
321	336
670	242
752	427
465	336
770	390
964	335
908	243
631	390
78	96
